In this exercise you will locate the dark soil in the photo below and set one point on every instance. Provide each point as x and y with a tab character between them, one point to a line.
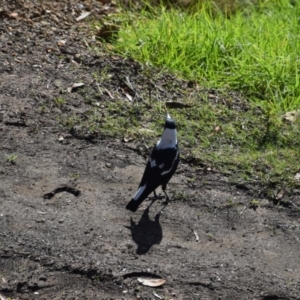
65	233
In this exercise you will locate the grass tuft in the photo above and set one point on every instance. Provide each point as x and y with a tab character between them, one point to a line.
247	66
253	51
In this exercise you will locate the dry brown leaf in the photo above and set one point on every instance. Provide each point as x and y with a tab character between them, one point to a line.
145	130
196	235
2	297
109	94
151	282
128	97
107	31
126	140
14	15
61	43
75	86
217	129
280	194
177	104
291	116
207	168
50	50
157	296
83	15
212	96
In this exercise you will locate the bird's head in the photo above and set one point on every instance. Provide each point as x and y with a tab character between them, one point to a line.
170	123
169	136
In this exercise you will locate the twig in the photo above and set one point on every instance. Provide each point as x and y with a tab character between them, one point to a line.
196	235
109	94
159	297
99	89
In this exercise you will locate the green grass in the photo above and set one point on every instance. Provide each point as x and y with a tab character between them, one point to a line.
251	146
254	53
11	159
59	101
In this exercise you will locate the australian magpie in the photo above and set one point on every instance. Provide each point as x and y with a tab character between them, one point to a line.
161	166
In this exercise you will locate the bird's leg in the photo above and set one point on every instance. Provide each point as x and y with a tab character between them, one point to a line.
153	199
167	199
164	187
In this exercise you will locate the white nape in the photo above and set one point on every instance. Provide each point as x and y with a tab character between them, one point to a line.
168	139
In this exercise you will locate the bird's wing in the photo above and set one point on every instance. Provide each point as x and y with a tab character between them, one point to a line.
150	181
152	170
159	169
160	163
168	160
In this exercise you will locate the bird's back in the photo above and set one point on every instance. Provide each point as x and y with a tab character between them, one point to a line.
161	166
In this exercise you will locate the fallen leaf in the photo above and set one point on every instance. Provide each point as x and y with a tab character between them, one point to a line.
207	168
126	140
217	129
83	15
75	86
144	130
109	94
212	96
61	43
2	297
108	31
151	282
14	15
177	104
196	235
280	194
157	296
291	116
128	97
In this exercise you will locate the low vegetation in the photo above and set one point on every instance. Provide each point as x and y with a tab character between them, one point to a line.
245	71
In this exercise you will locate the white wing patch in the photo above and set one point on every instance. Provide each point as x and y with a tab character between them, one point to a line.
153	163
167	171
139	192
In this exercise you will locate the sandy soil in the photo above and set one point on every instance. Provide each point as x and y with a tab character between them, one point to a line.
65	233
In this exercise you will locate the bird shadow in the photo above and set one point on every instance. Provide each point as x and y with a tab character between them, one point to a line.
146	232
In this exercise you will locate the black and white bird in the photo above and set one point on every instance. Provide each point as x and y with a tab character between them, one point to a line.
161	166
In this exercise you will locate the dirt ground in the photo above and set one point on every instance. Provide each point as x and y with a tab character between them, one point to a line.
65	233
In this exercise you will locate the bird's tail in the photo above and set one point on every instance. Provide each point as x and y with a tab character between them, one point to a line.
141	194
133	205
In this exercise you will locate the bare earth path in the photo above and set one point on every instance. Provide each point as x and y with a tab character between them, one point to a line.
79	242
